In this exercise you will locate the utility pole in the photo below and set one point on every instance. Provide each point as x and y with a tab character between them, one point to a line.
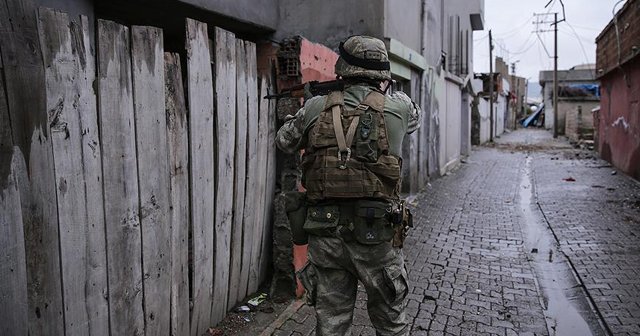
490	87
554	23
515	86
555	75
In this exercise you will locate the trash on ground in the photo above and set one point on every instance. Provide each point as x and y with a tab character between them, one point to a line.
569	179
243	309
258	299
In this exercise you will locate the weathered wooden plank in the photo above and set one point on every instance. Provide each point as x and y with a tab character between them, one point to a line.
22	14
261	189
82	248
97	303
240	172
201	151
270	188
225	88
178	144
13	271
5	21
120	170
147	50
251	197
24	75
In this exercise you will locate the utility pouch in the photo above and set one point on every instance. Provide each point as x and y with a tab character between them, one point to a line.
367	139
322	220
371	224
296	208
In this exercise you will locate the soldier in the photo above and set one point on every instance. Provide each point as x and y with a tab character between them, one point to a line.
351	170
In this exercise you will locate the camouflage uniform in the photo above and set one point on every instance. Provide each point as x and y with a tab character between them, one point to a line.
337	262
401	115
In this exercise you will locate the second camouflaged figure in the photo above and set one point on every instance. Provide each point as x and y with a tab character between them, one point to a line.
352	173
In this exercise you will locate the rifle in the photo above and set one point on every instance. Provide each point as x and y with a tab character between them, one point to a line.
309	89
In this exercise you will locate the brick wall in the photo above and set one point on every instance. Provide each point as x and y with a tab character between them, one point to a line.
627	39
578	118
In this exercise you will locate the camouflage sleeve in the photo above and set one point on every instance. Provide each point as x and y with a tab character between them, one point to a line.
413	118
290	136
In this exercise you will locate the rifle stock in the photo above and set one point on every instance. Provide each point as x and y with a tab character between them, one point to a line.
309	89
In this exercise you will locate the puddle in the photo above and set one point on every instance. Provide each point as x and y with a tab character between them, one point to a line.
567	309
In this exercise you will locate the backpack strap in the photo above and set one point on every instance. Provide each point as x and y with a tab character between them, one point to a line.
344	144
375	100
334	98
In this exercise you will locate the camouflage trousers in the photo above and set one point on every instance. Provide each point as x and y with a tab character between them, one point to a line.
331	280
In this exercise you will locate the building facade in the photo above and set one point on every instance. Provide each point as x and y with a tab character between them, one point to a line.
576	90
618	70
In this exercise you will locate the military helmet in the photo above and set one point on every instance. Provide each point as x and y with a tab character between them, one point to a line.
363	56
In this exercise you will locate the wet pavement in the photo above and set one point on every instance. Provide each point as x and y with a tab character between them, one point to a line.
528	237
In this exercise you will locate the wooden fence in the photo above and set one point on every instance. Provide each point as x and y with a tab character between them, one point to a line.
127	208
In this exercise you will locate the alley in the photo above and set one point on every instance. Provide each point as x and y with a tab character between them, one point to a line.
528	237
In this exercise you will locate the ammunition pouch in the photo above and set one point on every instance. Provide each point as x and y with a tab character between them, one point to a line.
322	220
371	222
365	221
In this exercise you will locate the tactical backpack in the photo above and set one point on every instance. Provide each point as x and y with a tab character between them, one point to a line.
352	165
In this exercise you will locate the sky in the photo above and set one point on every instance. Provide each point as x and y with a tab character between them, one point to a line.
512	25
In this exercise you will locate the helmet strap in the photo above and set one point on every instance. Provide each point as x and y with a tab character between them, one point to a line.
369	64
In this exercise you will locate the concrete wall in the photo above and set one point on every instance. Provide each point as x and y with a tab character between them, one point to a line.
500	113
434	33
456	46
619	118
257	12
484	120
330	21
404	22
465	123
450	127
578	118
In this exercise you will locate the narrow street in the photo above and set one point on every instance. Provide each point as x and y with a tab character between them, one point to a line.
528	237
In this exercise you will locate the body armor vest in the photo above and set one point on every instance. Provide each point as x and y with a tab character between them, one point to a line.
352	165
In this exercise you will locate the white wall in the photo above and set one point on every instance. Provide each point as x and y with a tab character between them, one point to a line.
485	125
450	126
499	114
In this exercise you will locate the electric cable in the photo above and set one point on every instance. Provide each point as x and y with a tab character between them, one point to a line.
514	30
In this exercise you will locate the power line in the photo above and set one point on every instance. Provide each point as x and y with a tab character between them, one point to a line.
587	28
541	57
543	45
515	30
584	52
524	50
475	41
521	49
